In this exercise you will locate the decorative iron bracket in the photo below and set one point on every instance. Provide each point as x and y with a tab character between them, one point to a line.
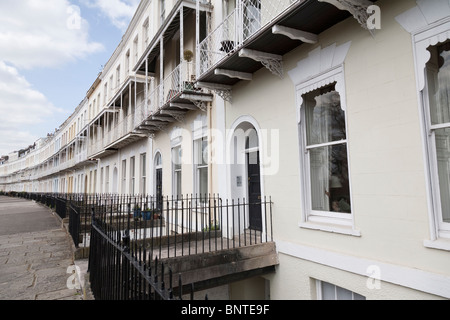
200	104
159	125
358	8
177	115
273	62
225	94
223	91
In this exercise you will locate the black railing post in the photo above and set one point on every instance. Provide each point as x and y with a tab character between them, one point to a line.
170	285
271	222
92	242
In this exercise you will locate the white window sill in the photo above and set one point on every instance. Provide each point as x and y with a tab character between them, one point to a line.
329	227
440	244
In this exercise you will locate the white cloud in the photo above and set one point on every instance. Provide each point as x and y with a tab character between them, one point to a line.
15	142
120	12
22	109
35	34
42	33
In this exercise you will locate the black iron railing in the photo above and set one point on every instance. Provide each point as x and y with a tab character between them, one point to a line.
129	236
132	235
171	227
60	206
119	273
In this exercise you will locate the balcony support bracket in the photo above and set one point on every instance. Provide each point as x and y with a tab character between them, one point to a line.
221	90
177	115
187	106
163	119
295	34
234	74
200	101
358	8
200	104
158	125
273	62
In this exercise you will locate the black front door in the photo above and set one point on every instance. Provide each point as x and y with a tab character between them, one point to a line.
159	197
254	191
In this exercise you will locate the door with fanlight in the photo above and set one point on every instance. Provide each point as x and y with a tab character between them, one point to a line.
158	182
254	191
254	180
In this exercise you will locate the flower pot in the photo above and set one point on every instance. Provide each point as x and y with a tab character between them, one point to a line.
137	213
147	215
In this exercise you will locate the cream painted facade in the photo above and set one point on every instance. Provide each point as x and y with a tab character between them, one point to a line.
393	244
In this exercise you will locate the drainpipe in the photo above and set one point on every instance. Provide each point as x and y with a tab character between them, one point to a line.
209	110
197	40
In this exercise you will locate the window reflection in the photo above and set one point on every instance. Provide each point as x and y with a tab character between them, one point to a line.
327	149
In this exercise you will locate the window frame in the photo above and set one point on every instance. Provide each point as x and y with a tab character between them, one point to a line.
132	175
143	173
127	62
320	295
199	165
95	181
157	165
118	76
308	148
136	49
101	179
177	191
145	33
314	219
124	176
107	179
111	88
428	23
442	228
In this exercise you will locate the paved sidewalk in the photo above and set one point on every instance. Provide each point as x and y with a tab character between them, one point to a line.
35	253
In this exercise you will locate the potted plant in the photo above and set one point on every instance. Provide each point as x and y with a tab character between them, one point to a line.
156	215
137	212
146	213
188	55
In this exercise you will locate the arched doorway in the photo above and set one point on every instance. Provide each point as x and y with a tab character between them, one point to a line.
245	171
115	181
158	180
253	179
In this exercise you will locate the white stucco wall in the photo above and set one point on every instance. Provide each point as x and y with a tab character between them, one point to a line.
385	158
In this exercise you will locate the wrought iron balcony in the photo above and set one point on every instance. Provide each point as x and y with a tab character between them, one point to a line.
171	100
172	95
122	130
257	33
248	18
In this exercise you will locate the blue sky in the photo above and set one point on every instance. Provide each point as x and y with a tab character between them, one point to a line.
50	54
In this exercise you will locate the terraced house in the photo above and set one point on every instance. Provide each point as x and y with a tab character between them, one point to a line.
336	110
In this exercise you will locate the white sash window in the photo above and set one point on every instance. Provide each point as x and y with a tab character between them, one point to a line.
324	153
321	112
429	25
437	114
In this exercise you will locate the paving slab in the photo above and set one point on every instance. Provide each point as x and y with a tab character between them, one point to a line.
36	253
